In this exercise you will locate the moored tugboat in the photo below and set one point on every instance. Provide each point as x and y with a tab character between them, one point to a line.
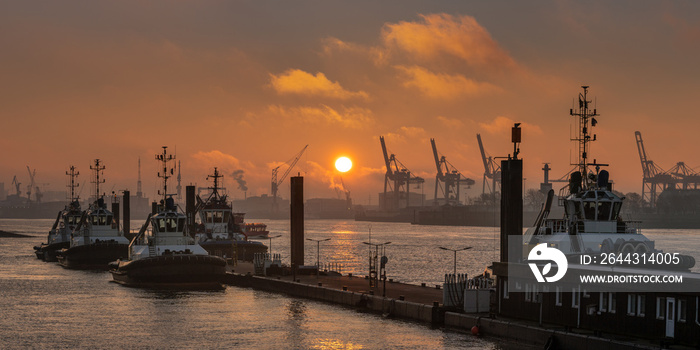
166	256
67	220
592	223
97	239
220	231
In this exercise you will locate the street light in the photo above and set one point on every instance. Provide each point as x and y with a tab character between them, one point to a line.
270	246
318	250
383	263
455	251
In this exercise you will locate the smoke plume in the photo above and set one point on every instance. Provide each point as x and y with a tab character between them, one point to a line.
238	176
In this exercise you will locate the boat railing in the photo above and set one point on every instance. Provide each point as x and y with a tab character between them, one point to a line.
479	282
632	227
556	225
332	267
262	261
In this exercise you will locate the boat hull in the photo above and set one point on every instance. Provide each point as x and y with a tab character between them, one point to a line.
244	250
171	271
47	252
92	256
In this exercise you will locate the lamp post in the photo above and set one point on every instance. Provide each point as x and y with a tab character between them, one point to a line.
270	246
373	273
455	251
318	250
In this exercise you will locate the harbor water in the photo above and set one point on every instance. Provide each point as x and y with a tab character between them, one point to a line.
46	306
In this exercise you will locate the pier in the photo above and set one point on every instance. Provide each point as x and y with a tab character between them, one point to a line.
402	300
423	304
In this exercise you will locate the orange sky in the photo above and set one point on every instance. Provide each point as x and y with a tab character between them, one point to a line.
245	85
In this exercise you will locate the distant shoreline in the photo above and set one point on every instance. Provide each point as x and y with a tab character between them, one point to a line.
12	234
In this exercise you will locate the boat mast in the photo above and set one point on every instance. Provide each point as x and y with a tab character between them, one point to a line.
73	175
164	159
98	168
216	177
585	116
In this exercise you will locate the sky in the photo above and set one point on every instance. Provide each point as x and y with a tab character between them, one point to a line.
245	85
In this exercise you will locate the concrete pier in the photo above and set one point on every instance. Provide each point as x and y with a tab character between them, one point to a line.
422	304
402	300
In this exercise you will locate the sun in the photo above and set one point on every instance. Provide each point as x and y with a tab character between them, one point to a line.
343	164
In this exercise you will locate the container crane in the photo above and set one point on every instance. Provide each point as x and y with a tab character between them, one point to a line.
397	180
654	179
686	177
16	184
275	183
450	179
33	185
492	172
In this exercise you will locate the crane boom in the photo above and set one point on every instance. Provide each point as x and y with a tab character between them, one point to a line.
483	155
32	183
291	166
16	184
437	159
387	160
275	183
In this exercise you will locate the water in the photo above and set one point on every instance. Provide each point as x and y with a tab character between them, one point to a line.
414	254
45	306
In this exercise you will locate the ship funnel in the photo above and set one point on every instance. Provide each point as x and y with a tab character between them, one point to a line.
169	203
603	179
575	182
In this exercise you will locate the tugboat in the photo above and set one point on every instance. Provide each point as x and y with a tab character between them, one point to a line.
220	230
96	240
592	223
167	256
66	221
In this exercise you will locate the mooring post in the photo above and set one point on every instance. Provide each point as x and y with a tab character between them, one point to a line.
189	209
296	214
126	208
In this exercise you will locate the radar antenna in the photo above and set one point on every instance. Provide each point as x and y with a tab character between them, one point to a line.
164	158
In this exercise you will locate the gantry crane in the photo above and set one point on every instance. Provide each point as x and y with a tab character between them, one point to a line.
275	183
448	179
684	176
397	180
654	179
33	185
492	172
16	184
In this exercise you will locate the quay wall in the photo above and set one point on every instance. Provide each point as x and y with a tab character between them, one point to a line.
387	306
489	327
535	336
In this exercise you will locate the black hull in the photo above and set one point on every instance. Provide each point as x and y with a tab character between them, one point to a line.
47	252
92	256
184	271
244	250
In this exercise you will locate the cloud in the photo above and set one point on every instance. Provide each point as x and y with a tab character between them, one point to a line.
349	117
687	35
442	34
504	124
443	86
450	122
404	133
376	54
322	174
225	162
295	81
